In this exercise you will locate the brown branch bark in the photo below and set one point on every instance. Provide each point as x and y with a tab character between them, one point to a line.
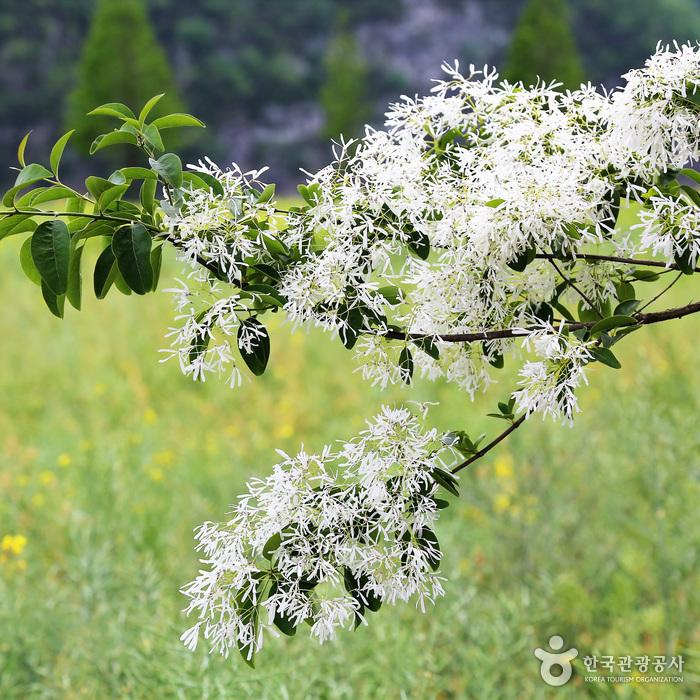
593	257
644	319
478	455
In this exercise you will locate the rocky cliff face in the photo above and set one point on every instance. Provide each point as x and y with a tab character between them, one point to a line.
429	32
409	50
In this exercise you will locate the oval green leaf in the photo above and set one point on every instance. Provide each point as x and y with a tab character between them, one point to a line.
258	355
50	248
607	324
132	249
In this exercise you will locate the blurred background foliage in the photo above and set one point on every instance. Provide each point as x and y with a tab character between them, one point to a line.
261	75
108	459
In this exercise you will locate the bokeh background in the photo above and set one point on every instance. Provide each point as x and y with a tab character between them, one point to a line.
274	80
109	459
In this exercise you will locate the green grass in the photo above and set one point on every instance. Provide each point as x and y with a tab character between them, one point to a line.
109	459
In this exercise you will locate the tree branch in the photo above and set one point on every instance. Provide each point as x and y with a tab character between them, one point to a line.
157	233
644	319
578	291
478	455
594	257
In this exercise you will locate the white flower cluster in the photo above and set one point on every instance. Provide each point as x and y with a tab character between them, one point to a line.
548	385
324	539
652	123
670	227
203	343
218	225
219	233
432	226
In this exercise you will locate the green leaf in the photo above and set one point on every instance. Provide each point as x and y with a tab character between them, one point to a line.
684	262
523	259
29	175
691	173
267	194
152	135
284	624
172	121
586	314
147	195
606	356
428	346
143	114
132	249
357	588
257	357
607	324
497	360
195	181
22	148
52	194
310	193
201	340
248	612
446	480
625	291
508	418
105	269
54	302
51	254
265	293
32	173
419	244
27	263
169	167
18	223
112	109
97	185
136	173
74	289
209	180
645	275
156	264
428	542
120	283
393	294
271	546
57	151
692	193
113	194
406	365
113	138
627	307
274	246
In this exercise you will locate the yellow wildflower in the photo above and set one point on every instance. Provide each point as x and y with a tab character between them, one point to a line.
47	477
64	460
164	457
156	474
504	467
501	503
14	544
284	431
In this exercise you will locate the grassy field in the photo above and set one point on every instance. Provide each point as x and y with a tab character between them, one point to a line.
109	459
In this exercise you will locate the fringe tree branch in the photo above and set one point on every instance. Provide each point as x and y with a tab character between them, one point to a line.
478	455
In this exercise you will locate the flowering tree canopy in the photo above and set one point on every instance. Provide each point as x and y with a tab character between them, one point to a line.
478	226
